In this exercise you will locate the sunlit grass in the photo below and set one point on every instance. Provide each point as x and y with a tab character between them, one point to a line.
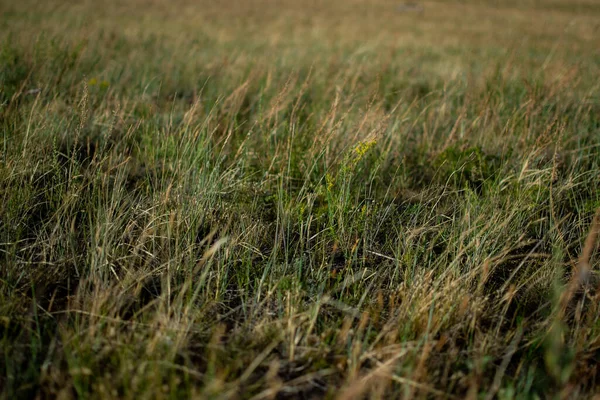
299	200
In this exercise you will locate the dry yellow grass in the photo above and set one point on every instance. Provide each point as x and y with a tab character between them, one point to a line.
318	199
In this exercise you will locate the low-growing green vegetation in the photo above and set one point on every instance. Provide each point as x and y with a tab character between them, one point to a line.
267	199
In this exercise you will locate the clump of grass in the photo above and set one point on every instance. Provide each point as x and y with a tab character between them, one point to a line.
317	202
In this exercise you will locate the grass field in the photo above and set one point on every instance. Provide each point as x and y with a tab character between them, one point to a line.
260	199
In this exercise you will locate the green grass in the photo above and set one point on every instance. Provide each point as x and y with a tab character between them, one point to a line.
319	200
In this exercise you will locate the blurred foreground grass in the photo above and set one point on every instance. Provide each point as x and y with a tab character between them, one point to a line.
274	199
